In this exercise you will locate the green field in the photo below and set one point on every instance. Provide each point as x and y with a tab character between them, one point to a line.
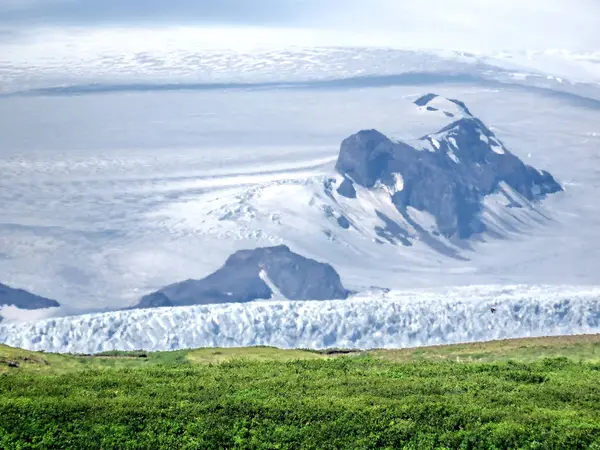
530	394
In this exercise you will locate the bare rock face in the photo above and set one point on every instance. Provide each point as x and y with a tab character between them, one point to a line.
252	275
23	299
447	173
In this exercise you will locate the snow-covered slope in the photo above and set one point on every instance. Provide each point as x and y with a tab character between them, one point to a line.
453	183
146	56
172	184
380	319
110	196
432	192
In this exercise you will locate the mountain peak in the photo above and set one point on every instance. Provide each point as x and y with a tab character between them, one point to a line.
255	274
24	300
464	164
451	108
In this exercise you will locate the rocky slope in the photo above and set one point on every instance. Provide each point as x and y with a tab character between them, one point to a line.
262	273
23	300
447	174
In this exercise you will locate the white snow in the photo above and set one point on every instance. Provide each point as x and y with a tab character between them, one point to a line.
453	157
105	198
393	320
512	222
96	218
423	218
397	186
446	109
496	146
493	143
276	295
66	57
497	149
398	182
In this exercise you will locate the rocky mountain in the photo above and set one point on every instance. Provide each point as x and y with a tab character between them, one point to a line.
447	174
23	300
247	275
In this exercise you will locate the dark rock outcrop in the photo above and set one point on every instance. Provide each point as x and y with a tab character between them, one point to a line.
252	275
23	299
448	174
347	189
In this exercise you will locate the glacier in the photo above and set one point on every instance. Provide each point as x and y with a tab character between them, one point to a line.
98	219
132	159
379	319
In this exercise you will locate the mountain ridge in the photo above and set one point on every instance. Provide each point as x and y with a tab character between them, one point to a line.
258	274
449	177
23	299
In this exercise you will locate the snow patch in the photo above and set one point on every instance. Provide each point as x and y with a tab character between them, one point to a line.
398	182
497	149
276	295
496	146
445	108
452	156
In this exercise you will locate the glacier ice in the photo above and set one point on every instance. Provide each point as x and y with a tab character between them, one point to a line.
99	216
381	319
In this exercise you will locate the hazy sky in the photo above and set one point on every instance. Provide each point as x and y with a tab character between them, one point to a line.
465	24
123	12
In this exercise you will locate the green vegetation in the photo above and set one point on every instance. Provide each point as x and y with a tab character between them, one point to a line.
576	348
526	394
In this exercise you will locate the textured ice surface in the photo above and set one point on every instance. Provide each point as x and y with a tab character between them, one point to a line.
185	54
380	320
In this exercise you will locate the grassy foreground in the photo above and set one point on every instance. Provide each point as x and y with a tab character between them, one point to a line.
530	394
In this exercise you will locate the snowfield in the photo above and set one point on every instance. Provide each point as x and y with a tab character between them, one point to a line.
378	320
173	183
131	160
